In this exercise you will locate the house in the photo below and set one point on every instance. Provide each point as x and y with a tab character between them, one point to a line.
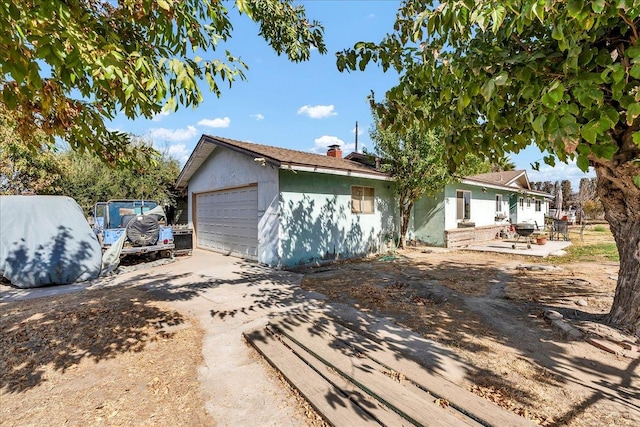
285	207
478	208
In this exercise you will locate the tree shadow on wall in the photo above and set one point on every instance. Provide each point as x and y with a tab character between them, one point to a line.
316	232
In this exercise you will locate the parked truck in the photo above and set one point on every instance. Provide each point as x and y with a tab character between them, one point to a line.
139	226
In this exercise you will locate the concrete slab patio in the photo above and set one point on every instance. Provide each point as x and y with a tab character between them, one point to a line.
506	247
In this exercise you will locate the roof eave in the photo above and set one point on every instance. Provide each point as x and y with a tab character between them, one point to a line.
340	172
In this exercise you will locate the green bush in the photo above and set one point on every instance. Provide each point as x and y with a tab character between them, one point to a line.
599	228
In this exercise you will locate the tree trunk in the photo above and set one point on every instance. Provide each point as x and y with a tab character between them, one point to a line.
405	216
621	201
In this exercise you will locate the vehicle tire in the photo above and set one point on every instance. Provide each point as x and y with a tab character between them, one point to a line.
143	230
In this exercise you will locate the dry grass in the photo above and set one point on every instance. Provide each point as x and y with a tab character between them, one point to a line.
489	313
99	358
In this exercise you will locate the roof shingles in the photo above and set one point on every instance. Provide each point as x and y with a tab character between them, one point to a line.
288	157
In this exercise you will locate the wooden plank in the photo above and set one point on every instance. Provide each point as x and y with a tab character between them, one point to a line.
382	413
463	400
337	409
419	408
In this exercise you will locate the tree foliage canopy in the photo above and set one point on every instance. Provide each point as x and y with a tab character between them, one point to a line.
67	67
88	179
24	169
499	76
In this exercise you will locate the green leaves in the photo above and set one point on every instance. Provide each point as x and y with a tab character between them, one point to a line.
498	14
583	163
70	66
633	111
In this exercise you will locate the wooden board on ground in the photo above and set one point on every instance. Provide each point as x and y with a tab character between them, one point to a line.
382	413
413	404
329	401
461	399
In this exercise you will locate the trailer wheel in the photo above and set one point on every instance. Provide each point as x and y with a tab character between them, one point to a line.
143	230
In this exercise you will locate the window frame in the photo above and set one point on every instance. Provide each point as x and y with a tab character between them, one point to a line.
466	216
358	208
538	205
499	203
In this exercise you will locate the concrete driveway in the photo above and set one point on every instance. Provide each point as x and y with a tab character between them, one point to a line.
551	248
227	296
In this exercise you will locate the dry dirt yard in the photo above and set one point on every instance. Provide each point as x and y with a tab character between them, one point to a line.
100	357
489	310
117	356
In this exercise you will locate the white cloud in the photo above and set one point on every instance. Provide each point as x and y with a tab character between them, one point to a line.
559	172
160	115
322	143
257	116
179	152
360	130
215	123
318	111
173	135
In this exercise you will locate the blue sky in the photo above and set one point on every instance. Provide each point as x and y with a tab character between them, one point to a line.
304	106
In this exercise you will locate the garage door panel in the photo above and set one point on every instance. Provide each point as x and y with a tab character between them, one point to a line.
227	220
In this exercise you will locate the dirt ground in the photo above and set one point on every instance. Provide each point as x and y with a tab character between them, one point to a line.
489	310
116	356
101	357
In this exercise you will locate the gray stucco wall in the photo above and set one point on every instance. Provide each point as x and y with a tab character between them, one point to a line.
316	222
429	220
227	169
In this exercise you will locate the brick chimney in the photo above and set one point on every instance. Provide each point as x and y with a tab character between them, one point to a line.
334	151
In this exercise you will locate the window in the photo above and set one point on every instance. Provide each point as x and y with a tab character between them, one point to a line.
538	205
362	199
528	202
521	202
463	204
498	202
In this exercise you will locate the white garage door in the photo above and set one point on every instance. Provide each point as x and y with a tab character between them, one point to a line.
227	221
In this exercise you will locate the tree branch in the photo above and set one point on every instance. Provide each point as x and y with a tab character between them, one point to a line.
522	45
631	25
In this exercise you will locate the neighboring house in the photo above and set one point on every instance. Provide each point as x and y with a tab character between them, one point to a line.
478	208
284	207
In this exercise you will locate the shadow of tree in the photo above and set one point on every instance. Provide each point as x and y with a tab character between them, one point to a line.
431	300
320	227
63	259
59	332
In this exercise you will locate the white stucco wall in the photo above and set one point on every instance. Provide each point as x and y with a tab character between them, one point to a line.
483	205
227	169
317	222
527	213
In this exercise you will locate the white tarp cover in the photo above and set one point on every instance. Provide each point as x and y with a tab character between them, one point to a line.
46	240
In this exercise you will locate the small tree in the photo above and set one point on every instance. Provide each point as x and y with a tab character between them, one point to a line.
588	198
567	193
416	161
89	180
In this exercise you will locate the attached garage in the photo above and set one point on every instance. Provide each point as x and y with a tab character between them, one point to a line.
227	221
283	207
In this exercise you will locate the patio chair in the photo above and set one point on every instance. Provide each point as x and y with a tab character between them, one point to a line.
559	230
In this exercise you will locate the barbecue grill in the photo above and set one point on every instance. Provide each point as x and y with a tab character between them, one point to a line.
523	230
